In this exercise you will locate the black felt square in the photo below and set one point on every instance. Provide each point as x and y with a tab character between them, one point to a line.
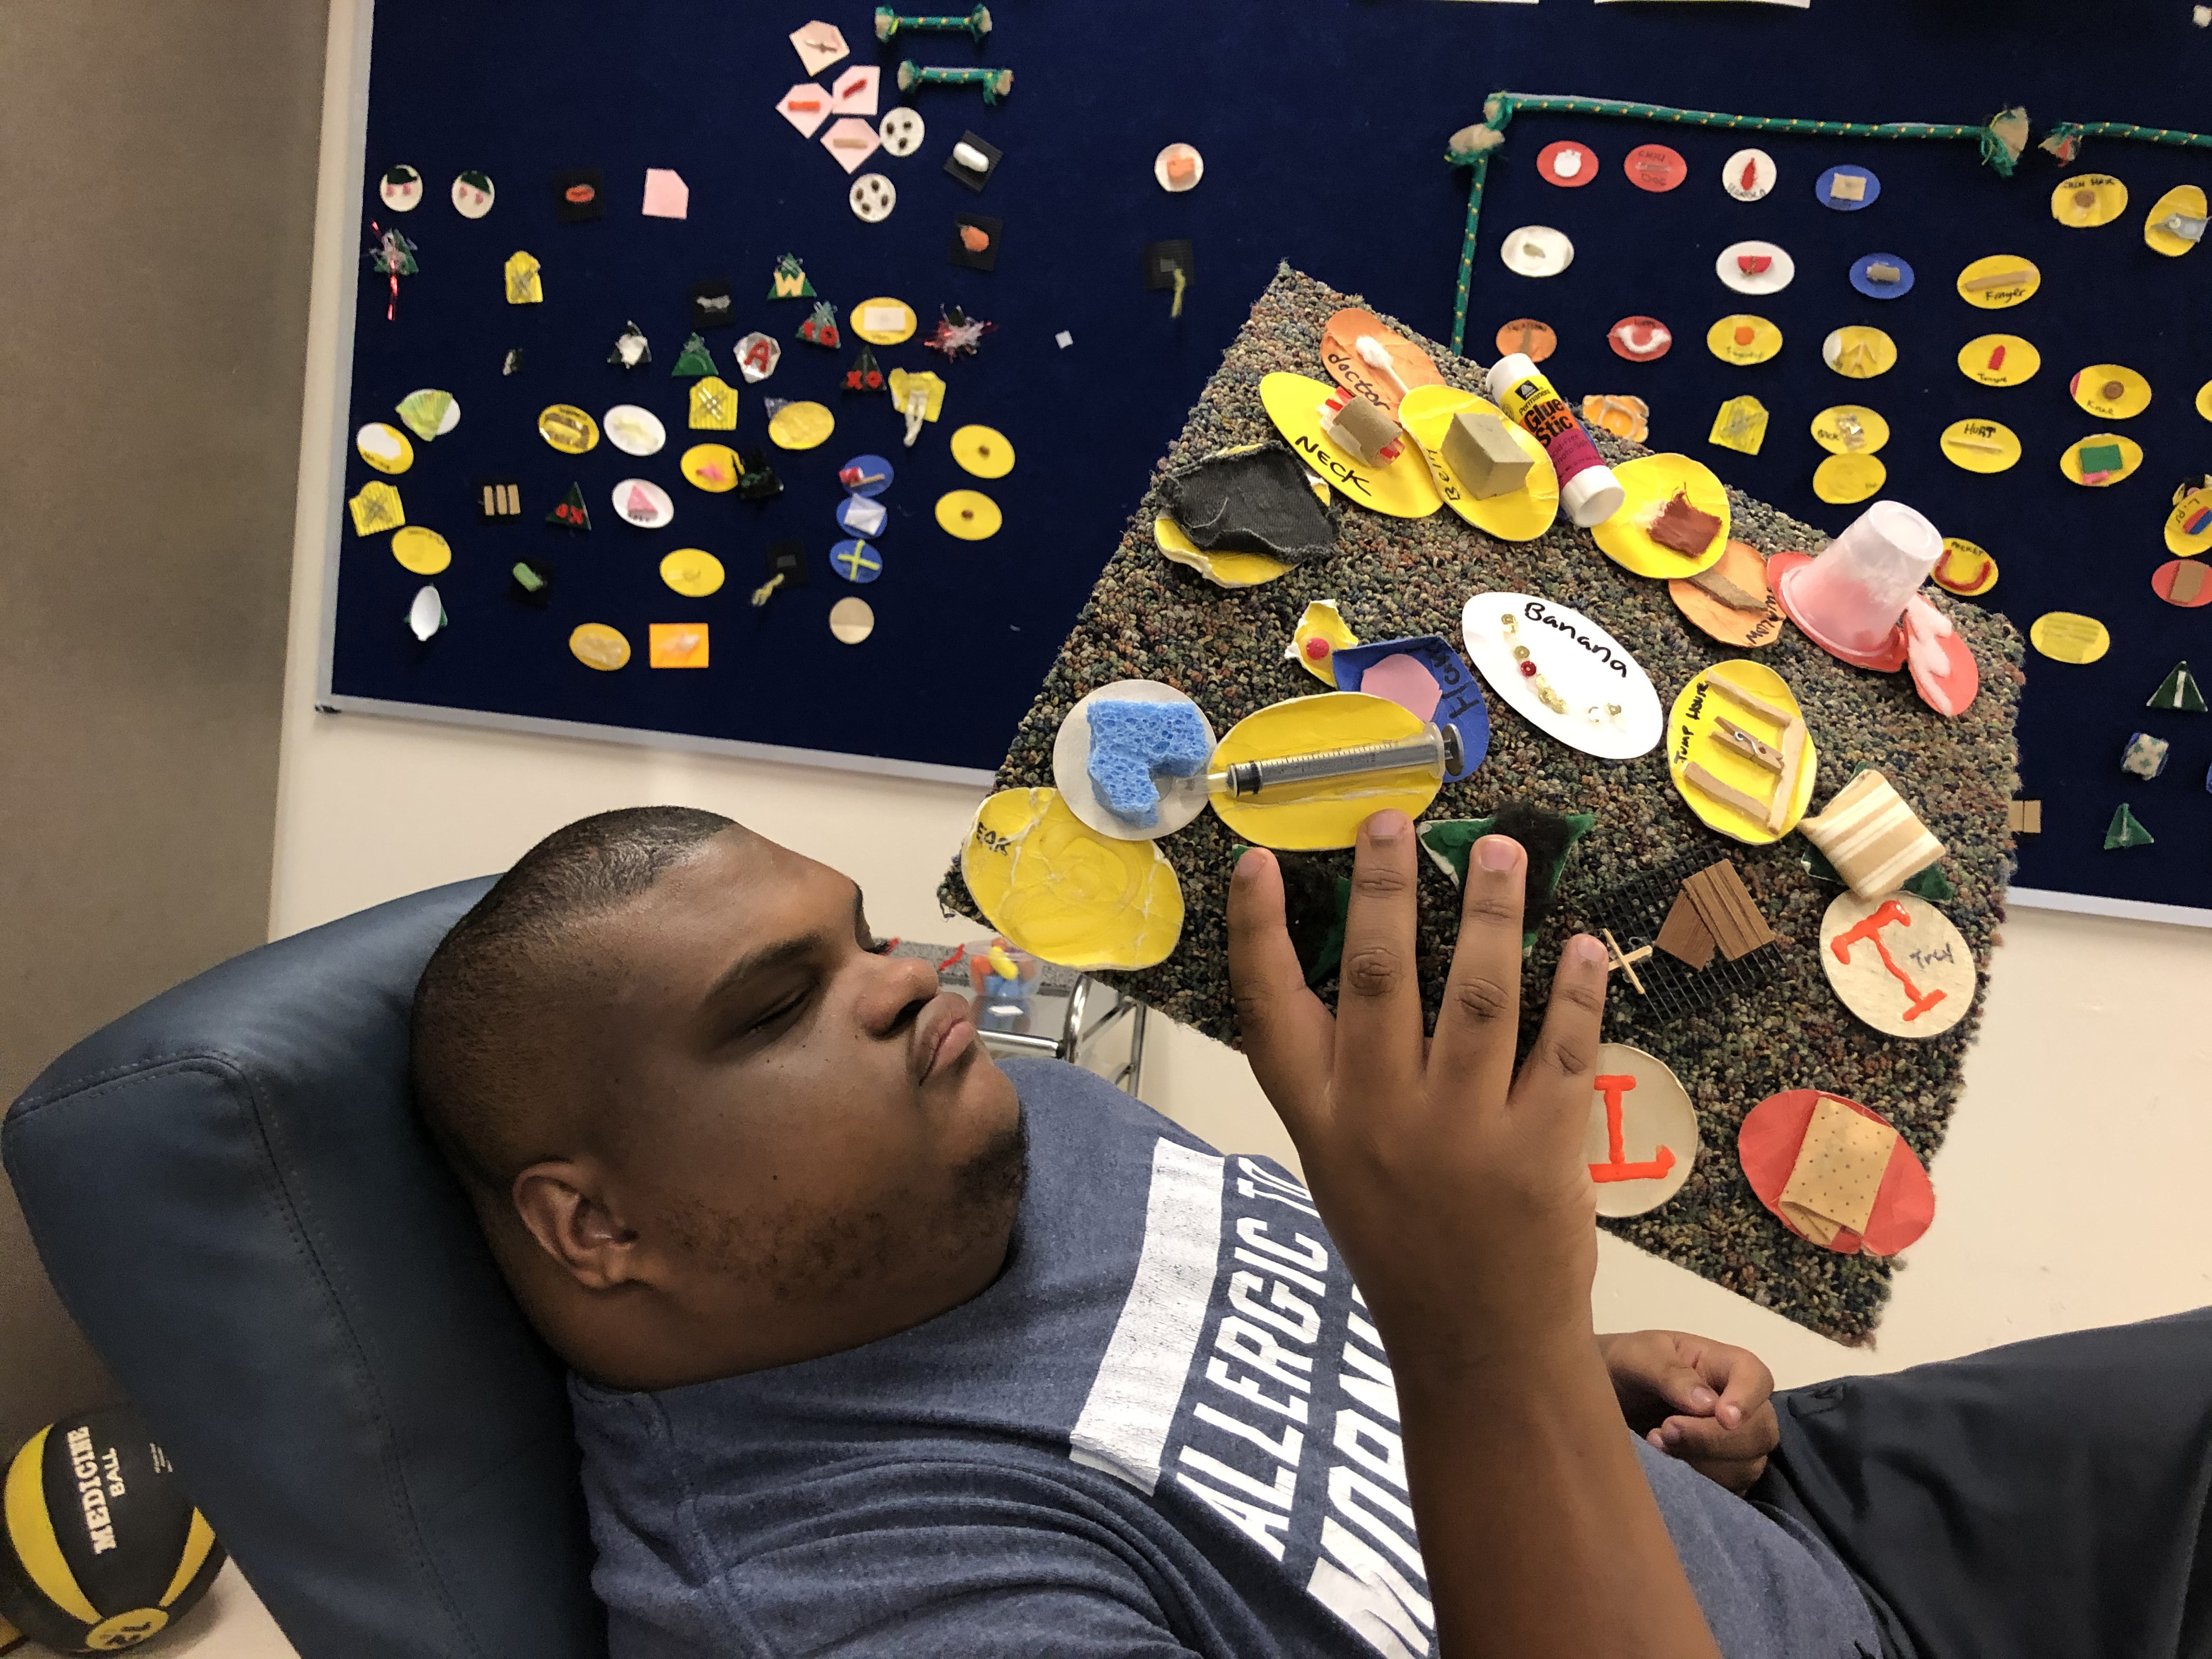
983	258
788	561
968	176
712	307
579	194
1163	259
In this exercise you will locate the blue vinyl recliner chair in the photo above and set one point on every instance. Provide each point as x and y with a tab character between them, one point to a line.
232	1192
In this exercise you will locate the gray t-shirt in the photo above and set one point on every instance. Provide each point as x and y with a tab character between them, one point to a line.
1167	1428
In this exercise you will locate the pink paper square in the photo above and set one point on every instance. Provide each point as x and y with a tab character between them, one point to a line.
854	91
1406	682
851	140
806	106
666	194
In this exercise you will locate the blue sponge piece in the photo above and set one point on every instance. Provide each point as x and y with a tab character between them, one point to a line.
1132	742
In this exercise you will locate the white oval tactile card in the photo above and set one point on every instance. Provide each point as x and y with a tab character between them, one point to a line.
1586	666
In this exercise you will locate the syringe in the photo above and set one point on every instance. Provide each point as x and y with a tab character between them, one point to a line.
1437	749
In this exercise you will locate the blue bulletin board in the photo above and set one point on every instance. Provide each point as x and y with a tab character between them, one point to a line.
1322	123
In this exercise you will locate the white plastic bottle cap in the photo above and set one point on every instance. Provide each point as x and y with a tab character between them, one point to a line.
1592	495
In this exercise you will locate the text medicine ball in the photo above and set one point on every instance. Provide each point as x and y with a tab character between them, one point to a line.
102	1548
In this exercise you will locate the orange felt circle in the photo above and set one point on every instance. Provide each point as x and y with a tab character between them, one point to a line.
1768	1144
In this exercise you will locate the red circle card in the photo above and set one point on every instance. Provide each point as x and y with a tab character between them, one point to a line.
1654	167
1567	163
1768	1144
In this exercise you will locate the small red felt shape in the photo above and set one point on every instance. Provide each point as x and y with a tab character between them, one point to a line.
1752	263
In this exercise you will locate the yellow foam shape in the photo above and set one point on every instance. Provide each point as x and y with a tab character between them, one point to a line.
2187	505
868	320
2087	200
2004	295
1304	817
933	385
1403	489
2131	457
385	447
422	551
1999	360
1740	424
1844	479
1322	621
1059	890
1222	569
1740	338
693	572
1519	516
1693	734
801	426
1830	430
711	467
2187	199
597	646
2068	636
714	404
1859	352
1650	483
984	451
1964	568
2088	388
1980	445
377	507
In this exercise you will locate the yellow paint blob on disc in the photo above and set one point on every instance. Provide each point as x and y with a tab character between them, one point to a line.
1327	811
568	429
801	426
595	645
714	468
2189	526
1650	482
1321	623
1844	479
385	447
1519	516
1694	734
693	572
983	451
1402	488
422	551
1964	568
2087	200
2110	392
1743	339
1859	352
1850	429
1059	890
968	513
2185	200
1998	360
1222	569
2068	636
1999	282
883	320
1980	445
2088	461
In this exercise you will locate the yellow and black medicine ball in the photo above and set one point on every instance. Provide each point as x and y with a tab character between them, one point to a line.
102	1548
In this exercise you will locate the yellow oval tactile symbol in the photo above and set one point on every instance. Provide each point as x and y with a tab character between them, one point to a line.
968	513
983	451
1980	445
595	645
2110	392
568	429
1999	281
693	572
2068	636
1998	360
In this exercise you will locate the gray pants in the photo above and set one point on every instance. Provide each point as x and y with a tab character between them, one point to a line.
2048	1499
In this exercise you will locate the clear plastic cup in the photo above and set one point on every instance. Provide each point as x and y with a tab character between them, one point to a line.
1852	596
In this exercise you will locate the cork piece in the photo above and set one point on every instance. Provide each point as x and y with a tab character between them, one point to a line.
1483	456
1839	1172
1683	935
1724	904
1681	528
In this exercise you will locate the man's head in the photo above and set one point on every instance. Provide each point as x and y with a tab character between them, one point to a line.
707	1126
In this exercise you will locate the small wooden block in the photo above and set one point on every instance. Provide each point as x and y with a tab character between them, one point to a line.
1997	279
1684	936
2024	818
1724	904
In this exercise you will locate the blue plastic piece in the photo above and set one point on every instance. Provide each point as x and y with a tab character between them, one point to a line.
1132	742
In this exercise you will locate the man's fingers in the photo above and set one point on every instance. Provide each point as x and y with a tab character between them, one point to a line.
1480	1022
1566	1048
1285	1029
1706	1439
1686	1391
1378	997
1741	1378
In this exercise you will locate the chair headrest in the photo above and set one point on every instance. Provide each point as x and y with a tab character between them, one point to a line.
232	1191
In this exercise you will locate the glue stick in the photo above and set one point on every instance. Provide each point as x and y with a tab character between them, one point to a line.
1588	489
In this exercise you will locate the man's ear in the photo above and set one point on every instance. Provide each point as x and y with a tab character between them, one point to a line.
562	1203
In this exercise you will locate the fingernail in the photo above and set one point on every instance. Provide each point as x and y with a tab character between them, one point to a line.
1731	1414
1702	1399
1385	827
1496	853
1251	864
1670	1432
1584	951
1654	1438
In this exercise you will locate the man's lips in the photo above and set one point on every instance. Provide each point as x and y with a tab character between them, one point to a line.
941	1034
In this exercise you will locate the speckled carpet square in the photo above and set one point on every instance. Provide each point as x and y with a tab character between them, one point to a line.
1148	618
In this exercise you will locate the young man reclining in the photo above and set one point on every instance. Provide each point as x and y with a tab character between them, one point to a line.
880	1349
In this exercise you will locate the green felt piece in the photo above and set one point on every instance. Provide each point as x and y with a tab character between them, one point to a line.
1930	884
2101	458
2126	830
1449	842
1396	579
2178	690
694	359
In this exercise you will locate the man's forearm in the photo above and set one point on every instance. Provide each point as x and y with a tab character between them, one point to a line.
1540	1533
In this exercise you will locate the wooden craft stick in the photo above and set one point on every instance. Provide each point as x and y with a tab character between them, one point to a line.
1726	794
1757	753
1727	908
1997	279
1785	788
1626	961
1985	446
1743	699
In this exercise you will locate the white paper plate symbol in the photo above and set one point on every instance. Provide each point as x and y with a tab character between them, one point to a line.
1586	665
1755	267
1537	251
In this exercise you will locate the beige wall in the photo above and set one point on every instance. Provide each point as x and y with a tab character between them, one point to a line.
157	179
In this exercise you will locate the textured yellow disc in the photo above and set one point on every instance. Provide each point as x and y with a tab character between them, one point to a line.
1998	360
1650	482
2101	458
422	551
1327	812
568	429
711	467
968	513
597	646
1844	479
1999	281
1518	515
801	426
2185	200
692	572
1964	568
1741	339
385	446
1859	352
883	321
1850	429
1059	890
2189	526
2087	200
983	451
1980	445
2068	636
1402	487
2111	392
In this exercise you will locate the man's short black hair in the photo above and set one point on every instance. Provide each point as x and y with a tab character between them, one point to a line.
478	1015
